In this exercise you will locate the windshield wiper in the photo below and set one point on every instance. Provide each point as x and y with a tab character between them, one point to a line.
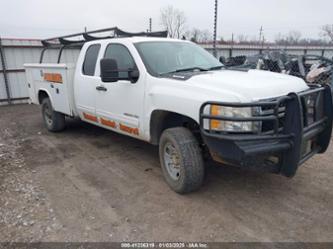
187	69
191	69
195	68
215	68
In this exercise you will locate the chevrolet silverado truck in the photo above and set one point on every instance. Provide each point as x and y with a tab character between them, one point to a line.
174	94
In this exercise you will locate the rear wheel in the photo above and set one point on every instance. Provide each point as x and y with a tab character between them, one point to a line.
54	121
181	160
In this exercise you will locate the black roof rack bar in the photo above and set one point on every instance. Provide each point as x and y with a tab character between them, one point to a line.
88	37
157	34
68	42
62	40
78	34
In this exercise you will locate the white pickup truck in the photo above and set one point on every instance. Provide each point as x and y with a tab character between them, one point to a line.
174	94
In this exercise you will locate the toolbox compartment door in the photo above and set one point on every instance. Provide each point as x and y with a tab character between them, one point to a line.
54	79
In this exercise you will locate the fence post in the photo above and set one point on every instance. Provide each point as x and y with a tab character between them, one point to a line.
323	53
4	71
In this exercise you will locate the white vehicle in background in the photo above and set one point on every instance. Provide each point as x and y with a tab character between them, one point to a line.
174	94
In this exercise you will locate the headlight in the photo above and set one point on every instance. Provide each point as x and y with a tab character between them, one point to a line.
233	112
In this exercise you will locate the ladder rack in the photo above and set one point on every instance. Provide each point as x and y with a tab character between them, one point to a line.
59	42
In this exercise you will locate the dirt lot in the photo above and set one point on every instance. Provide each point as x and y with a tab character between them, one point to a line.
88	184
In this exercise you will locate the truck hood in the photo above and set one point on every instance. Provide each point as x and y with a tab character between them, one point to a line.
247	86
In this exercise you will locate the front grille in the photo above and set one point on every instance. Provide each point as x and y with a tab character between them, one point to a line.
313	106
312	111
268	126
298	115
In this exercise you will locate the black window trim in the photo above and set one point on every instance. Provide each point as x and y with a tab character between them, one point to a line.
85	57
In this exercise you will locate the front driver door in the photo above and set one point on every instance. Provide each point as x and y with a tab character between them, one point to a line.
119	105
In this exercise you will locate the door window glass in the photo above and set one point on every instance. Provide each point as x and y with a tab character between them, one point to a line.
123	57
90	60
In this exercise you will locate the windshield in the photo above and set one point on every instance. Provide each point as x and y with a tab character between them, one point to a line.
169	57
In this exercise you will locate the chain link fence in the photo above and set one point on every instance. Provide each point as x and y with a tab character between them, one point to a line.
314	65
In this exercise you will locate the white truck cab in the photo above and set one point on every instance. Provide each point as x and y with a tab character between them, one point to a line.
174	94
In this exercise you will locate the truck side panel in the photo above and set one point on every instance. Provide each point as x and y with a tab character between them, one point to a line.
56	80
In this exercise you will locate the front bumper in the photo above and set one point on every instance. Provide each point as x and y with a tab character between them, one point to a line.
293	131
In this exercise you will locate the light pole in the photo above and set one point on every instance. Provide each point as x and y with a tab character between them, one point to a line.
150	25
215	29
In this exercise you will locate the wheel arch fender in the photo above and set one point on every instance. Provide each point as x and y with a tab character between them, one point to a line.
42	94
161	119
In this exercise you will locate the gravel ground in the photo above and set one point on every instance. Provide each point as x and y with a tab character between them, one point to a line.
89	184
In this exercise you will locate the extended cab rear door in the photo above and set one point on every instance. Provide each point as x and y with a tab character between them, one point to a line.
119	105
85	83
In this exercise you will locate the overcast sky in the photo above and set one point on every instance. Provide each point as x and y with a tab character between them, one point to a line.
45	18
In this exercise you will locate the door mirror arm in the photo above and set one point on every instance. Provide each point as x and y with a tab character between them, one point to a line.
133	75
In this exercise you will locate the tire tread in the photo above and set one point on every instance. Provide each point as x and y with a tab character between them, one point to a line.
58	118
191	156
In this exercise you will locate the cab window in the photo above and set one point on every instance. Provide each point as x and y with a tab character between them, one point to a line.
90	60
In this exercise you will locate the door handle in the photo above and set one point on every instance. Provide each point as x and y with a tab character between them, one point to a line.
101	88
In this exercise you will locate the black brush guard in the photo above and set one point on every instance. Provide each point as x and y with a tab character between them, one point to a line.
295	136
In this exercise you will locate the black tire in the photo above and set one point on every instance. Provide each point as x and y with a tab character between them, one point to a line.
54	121
188	157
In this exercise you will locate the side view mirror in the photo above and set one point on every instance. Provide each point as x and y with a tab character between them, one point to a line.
222	59
111	73
109	70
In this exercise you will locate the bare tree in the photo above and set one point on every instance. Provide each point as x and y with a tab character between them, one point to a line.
328	31
174	21
206	36
279	39
200	36
242	38
292	38
193	35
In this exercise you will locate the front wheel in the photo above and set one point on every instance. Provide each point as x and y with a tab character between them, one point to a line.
181	160
54	121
